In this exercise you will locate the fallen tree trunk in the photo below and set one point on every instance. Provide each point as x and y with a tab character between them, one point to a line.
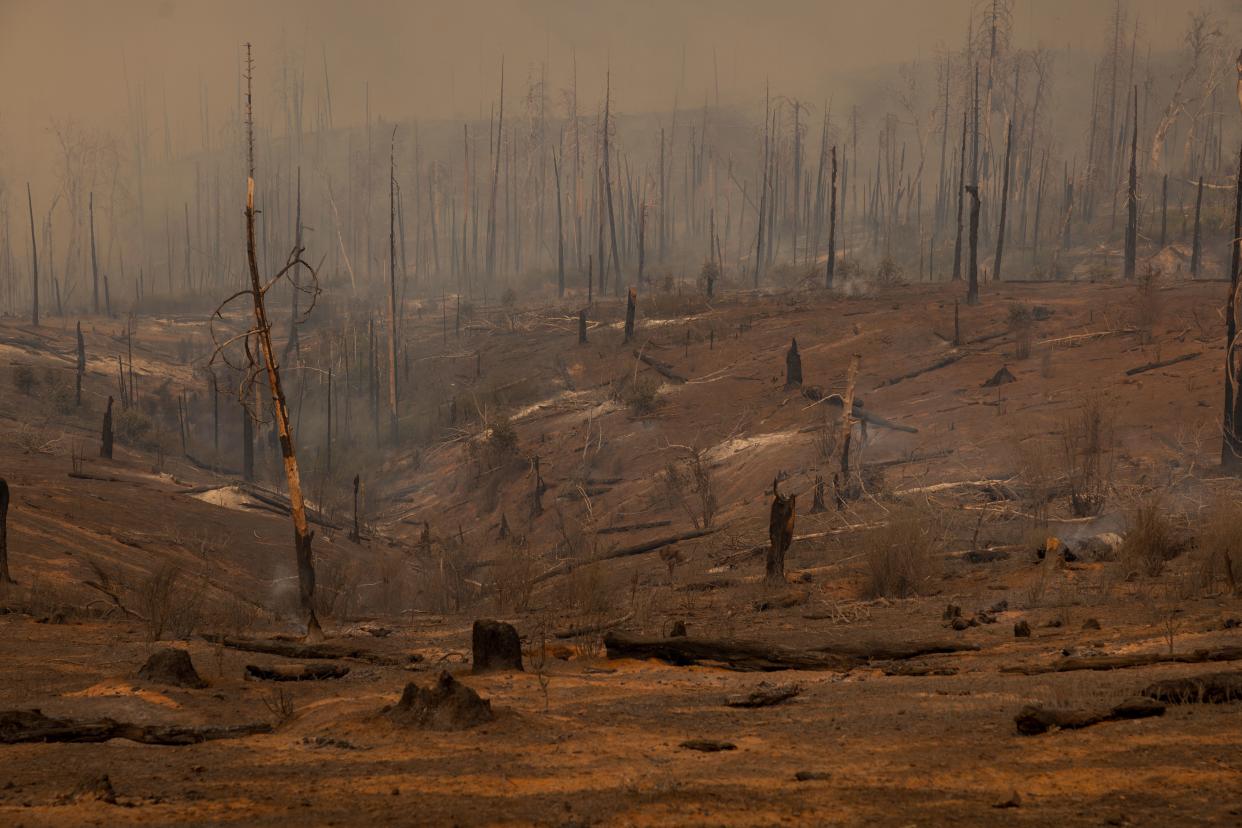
1164	363
588	629
860	413
281	502
662	368
918	372
759	656
765	695
997	487
1034	719
298	672
914	457
1210	688
298	650
32	726
1121	662
627	551
632	527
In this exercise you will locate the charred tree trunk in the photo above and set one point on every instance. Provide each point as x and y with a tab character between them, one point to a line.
841	479
81	368
5	577
302	535
1231	449
95	262
34	262
1131	261
780	534
355	534
972	289
832	223
560	233
630	307
793	366
1004	206
392	286
961	200
105	439
1196	248
582	327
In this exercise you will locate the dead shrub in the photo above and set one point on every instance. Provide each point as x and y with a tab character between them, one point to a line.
133	427
899	553
168	603
35	439
24	379
889	273
688	482
1021	325
1149	541
640	393
514	576
1087	444
279	703
1220	545
1145	304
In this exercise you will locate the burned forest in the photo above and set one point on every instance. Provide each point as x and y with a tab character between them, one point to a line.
602	413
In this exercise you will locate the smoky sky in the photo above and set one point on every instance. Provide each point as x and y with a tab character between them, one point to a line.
77	58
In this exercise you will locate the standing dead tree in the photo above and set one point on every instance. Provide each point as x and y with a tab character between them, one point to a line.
34	262
972	288
260	359
105	437
5	577
1231	448
780	533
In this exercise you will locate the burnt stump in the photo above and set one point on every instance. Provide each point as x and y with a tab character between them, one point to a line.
495	646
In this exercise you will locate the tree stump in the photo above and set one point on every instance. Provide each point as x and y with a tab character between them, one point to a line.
793	366
173	667
446	705
495	646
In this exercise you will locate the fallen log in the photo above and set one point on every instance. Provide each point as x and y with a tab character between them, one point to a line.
1164	363
1121	662
298	650
279	501
1000	488
1034	719
1210	688
627	551
860	413
100	478
296	672
765	695
758	656
944	362
591	629
708	745
914	457
662	368
632	527
747	554
32	726
211	467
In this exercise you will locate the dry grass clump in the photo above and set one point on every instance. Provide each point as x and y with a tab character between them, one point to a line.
899	554
688	482
168	602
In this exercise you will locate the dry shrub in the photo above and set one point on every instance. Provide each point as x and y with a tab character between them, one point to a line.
1087	444
1146	304
336	588
889	273
1220	545
1149	541
1021	325
24	379
279	703
35	439
133	427
514	576
688	482
1041	475
899	553
168	603
640	393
